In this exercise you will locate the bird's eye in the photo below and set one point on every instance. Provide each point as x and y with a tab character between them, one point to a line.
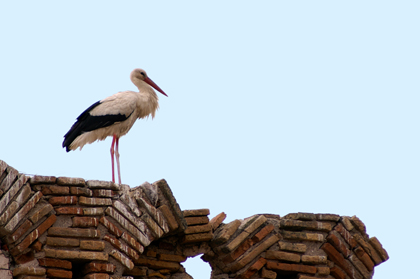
143	74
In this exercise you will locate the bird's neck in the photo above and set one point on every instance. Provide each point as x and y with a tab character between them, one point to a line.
149	100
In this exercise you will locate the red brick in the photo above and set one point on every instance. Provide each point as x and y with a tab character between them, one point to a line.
263	233
66	210
55	190
171	258
254	268
39	179
132	242
122	247
47	262
217	220
99	267
19	231
291	267
97	276
239	251
346	235
337	272
338	242
111	227
81	191
59	273
63	200
62	242
24	258
37	246
85	222
74	232
103	193
71	181
33	235
337	257
364	258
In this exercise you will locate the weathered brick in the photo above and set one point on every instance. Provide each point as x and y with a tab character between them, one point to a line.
8	196
63	242
338	242
14	205
63	200
217	220
39	211
200	220
155	264
59	273
170	218
55	190
40	179
125	212
368	248
94	201
360	266
171	258
19	231
245	245
37	246
269	274
323	270
93	211
12	175
359	225
196	212
103	193
55	263
317	237
364	257
294	247
132	242
28	270
110	226
97	276
66	210
154	214
74	232
337	258
73	181
346	235
263	233
125	261
291	267
97	184
75	255
345	220
122	247
81	191
378	247
154	228
198	237
99	267
314	259
300	216
24	258
92	245
85	222
337	273
282	256
254	268
327	217
305	225
33	235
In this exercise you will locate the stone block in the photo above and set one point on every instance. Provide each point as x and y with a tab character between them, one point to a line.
92	245
282	256
94	201
55	190
85	222
293	247
62	242
81	191
74	232
71	181
46	262
196	212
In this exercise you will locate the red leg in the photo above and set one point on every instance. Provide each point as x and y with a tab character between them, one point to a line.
112	156
117	155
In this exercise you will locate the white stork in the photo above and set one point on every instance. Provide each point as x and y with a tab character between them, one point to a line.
114	116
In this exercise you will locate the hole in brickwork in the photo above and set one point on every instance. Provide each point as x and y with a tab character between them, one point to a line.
76	269
281	275
197	268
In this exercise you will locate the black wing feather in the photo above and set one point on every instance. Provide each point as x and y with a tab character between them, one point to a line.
87	122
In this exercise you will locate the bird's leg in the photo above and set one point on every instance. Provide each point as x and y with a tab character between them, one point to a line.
112	157
117	155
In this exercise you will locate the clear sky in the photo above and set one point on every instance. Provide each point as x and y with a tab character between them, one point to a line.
273	107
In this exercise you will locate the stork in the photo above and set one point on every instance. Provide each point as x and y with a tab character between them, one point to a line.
114	116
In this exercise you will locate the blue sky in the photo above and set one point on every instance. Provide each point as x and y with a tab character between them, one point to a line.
273	107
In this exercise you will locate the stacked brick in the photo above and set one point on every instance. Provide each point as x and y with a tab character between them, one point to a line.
60	227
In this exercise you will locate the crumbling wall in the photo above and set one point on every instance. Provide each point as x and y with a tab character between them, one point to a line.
61	227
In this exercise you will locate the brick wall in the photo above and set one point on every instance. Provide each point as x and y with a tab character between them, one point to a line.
61	227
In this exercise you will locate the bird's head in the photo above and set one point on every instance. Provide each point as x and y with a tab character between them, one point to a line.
138	75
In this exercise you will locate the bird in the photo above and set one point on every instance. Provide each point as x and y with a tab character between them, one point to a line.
114	116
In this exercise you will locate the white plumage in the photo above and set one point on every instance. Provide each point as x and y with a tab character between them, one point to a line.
114	116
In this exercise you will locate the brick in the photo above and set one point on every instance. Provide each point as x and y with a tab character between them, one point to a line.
55	190
196	212
170	218
305	225
245	245
34	235
217	220
151	253
46	262
291	267
364	257
93	211
338	242
14	205
111	227
254	223
94	201
97	184
99	268
39	211
323	270
360	266
103	193
337	258
269	274
81	191
125	261
14	221
154	228
132	242
63	200
302	276
71	181
338	273
125	212
59	273
378	247
197	220
198	237
40	179
37	246
254	268
97	276
154	213
314	259
300	216
345	234
347	223
8	196
66	210
92	245
263	233
368	248
26	225
122	247
8	180
359	225
282	256
294	247
171	258
85	222
75	255
317	237
28	270
155	264
327	217
62	242
74	232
